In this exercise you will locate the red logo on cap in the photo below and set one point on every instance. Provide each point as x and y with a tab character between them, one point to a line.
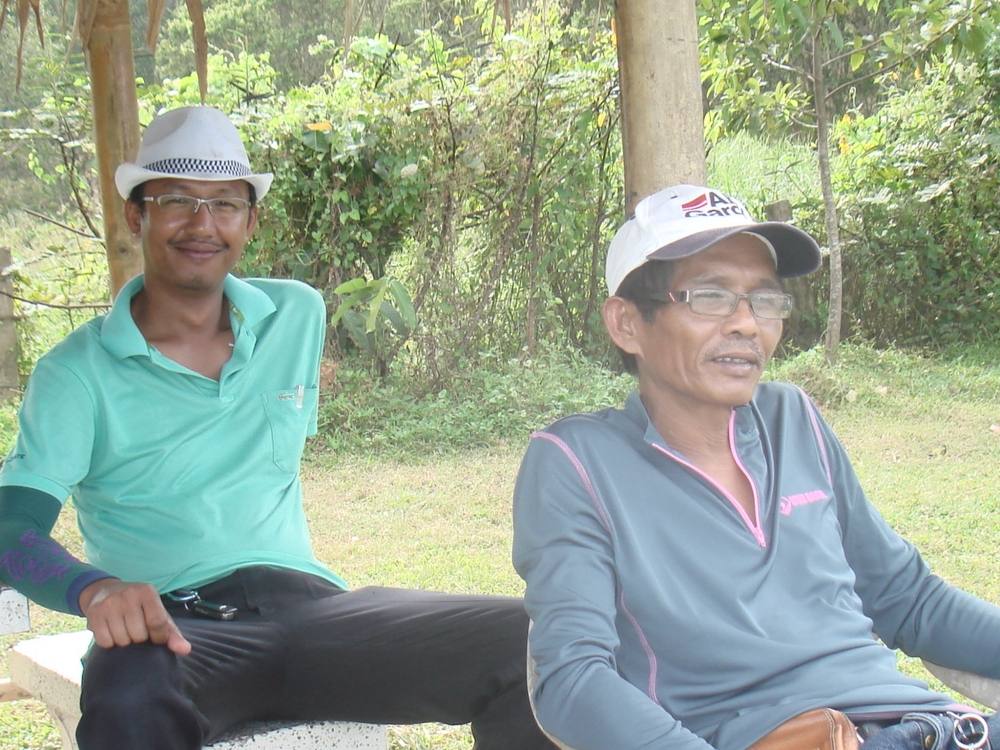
694	203
712	204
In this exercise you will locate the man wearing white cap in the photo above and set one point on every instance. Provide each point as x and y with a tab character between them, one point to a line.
177	422
703	569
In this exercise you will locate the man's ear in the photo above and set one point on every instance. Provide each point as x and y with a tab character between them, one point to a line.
624	323
133	217
251	221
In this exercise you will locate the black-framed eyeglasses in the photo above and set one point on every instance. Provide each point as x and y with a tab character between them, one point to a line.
183	206
721	303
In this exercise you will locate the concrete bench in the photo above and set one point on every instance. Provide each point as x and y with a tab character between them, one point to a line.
48	668
980	689
13	612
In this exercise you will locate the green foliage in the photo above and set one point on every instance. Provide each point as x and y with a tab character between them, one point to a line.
760	59
762	170
304	37
489	186
349	158
920	180
56	267
48	150
283	31
378	316
496	399
8	425
235	83
544	194
800	63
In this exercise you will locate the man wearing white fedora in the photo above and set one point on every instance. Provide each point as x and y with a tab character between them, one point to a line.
177	422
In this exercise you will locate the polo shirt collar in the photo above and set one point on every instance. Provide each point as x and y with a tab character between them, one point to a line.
119	333
248	304
122	338
635	410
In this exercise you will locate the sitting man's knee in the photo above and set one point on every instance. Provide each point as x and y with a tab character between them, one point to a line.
135	686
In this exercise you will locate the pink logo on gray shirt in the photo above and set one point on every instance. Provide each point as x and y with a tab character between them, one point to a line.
790	502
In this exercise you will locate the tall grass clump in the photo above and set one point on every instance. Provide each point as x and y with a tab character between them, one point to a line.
499	399
894	380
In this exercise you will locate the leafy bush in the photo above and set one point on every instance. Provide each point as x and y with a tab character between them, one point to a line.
349	157
920	180
489	186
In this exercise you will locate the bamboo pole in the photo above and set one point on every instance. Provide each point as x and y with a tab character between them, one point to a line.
662	120
107	40
8	332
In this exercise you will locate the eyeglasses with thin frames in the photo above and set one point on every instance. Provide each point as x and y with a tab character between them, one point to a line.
720	303
185	206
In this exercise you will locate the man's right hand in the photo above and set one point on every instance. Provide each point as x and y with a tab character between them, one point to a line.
120	613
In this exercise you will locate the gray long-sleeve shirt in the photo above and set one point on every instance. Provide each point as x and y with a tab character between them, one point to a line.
665	617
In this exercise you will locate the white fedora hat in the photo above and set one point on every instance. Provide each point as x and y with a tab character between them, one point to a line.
685	219
198	143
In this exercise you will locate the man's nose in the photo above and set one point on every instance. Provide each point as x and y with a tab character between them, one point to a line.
742	319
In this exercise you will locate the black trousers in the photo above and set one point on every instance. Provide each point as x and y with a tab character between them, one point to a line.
304	649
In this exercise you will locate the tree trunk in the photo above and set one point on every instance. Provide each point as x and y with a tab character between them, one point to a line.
107	42
531	315
662	120
832	220
9	381
348	28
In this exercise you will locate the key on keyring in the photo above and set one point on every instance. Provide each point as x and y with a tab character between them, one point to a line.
194	604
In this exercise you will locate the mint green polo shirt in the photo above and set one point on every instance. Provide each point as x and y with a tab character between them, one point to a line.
179	479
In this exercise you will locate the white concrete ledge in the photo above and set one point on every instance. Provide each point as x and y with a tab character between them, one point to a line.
978	688
314	735
13	612
49	668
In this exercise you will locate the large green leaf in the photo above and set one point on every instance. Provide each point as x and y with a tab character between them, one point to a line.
403	303
352	285
375	306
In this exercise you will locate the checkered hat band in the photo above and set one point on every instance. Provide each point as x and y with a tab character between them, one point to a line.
226	167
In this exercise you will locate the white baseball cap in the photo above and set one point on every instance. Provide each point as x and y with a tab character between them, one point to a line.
198	143
685	219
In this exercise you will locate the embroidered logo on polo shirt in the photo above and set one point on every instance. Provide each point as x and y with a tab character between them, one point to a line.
790	502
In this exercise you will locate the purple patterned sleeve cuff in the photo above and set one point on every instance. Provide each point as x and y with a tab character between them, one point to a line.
79	583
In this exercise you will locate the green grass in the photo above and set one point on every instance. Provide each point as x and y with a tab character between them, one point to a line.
494	399
386	509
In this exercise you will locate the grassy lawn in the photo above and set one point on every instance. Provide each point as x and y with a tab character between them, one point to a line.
924	434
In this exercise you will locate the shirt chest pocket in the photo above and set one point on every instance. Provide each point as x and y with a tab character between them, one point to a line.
290	413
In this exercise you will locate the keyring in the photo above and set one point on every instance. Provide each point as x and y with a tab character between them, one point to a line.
959	734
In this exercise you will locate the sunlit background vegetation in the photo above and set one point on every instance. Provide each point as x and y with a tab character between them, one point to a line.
451	184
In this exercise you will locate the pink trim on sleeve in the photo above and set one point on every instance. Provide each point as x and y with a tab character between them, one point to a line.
601	511
606	522
647	649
